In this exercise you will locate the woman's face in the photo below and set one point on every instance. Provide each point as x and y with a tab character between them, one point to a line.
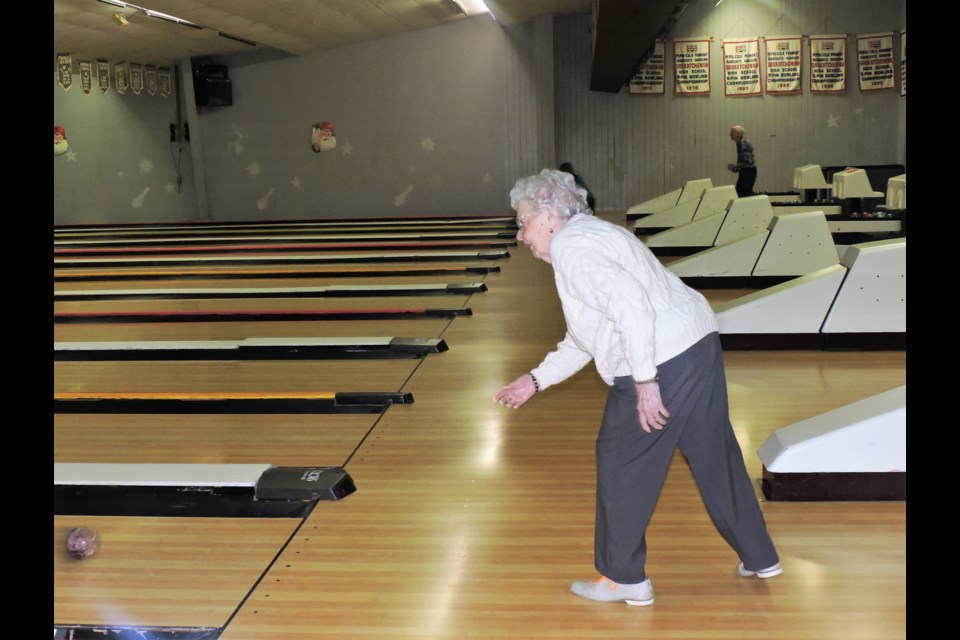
535	228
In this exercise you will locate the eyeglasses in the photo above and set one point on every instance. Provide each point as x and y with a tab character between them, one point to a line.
521	221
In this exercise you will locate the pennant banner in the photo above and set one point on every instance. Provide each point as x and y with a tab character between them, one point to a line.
65	70
150	72
120	76
784	63
86	76
875	61
164	74
103	75
136	77
692	66
903	62
741	67
649	78
828	64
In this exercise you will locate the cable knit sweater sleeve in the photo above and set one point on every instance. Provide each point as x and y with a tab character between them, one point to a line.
560	364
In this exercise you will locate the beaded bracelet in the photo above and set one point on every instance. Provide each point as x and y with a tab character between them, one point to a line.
653	379
536	383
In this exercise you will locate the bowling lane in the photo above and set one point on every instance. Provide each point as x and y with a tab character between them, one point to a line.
415	328
232	304
280	440
233	376
407	327
151	571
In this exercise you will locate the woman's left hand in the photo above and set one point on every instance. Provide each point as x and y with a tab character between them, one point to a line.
516	394
653	415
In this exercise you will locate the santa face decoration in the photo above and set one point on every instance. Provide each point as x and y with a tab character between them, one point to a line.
60	145
322	138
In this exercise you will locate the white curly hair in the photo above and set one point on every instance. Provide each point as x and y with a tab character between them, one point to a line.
553	188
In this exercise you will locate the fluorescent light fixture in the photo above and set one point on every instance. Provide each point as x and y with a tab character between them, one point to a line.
228	36
472	7
169	18
151	13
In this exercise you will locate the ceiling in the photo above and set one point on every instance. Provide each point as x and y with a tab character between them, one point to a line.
267	29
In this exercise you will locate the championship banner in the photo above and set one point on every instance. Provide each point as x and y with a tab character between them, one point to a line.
875	61
65	70
103	75
650	77
136	77
164	74
741	67
86	76
691	61
150	72
903	62
828	64
784	63
120	76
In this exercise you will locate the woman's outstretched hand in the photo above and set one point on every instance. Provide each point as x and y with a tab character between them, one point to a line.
516	394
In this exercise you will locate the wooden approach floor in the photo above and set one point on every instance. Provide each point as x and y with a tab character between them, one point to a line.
469	519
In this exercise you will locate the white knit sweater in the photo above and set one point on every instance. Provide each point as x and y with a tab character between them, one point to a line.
622	307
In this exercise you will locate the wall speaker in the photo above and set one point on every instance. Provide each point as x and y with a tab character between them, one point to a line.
212	86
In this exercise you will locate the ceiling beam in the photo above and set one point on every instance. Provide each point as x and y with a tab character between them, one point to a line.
623	32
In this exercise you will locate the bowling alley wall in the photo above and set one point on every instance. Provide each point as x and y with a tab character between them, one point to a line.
442	121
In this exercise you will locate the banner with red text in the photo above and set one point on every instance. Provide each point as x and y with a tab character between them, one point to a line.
741	67
691	60
875	62
903	62
650	77
828	64
784	59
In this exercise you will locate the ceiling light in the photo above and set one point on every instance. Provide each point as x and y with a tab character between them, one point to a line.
472	7
120	19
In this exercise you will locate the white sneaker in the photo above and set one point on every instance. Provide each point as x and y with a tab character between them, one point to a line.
603	589
769	572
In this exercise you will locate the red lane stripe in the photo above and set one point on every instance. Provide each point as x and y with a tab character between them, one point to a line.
267	247
293	312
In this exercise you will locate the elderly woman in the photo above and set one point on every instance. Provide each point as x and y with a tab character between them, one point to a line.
655	341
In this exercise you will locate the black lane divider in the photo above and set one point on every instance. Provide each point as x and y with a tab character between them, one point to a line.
99	632
251	349
279	492
208	403
344	291
259	316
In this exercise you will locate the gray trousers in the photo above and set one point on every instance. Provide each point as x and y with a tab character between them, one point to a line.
632	465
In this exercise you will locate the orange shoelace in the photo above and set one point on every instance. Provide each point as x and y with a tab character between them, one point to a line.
611	585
